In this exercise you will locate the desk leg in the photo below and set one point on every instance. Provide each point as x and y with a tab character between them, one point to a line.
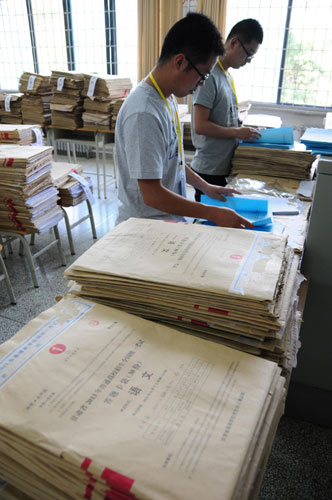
97	162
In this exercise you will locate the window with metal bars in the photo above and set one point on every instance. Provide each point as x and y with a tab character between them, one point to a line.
294	63
76	35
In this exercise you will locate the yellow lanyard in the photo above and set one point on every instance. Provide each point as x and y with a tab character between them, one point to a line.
177	123
230	80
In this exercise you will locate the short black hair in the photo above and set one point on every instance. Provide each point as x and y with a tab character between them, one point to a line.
248	30
196	36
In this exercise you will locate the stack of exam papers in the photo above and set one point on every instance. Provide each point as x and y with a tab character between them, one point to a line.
28	199
67	101
11	108
106	86
291	164
97	403
37	91
71	191
318	140
232	286
20	134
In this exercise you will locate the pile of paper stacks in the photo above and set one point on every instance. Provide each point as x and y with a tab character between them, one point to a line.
67	101
292	164
11	108
104	97
70	189
19	134
232	286
97	403
28	199
37	97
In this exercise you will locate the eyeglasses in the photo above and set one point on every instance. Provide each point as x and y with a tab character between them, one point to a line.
203	77
249	56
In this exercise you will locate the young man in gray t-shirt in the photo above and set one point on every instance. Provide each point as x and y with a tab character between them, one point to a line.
216	130
149	149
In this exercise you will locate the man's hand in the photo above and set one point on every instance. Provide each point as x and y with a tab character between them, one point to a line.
248	133
226	217
219	192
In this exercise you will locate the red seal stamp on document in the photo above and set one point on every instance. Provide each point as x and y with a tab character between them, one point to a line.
94	322
236	256
57	349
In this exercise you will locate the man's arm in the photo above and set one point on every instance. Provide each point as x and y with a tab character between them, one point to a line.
157	196
203	125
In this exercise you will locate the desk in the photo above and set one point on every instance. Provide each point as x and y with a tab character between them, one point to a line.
90	137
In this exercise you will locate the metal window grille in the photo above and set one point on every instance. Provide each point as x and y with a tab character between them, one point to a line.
293	65
79	35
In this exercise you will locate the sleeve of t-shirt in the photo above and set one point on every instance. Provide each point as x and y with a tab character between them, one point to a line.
205	96
145	146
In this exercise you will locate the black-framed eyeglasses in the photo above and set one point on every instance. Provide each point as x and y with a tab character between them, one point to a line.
249	56
203	77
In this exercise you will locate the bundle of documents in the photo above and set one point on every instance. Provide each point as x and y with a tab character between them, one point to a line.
97	403
37	97
109	86
20	134
71	191
67	102
28	199
116	108
11	108
101	113
34	83
291	164
232	286
318	140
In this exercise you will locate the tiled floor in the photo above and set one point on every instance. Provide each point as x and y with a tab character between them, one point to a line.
300	464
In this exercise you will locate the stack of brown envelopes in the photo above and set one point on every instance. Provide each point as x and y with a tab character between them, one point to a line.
67	101
28	199
11	107
19	134
37	97
97	403
228	285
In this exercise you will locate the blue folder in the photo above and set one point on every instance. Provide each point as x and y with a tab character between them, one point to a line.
277	138
256	210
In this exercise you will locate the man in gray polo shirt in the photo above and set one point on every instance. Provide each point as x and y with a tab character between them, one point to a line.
216	130
151	166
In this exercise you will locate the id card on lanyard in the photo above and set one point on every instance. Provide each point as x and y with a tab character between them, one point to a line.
178	131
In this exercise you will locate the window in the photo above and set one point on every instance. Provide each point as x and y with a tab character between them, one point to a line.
293	65
80	35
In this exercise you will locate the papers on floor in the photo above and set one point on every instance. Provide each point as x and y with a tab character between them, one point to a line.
20	134
28	199
277	138
228	285
67	101
11	107
319	140
37	91
291	164
97	403
72	191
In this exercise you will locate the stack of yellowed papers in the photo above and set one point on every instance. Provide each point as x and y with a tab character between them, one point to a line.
109	86
28	199
37	97
71	191
232	286
289	163
19	134
97	403
67	101
11	107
